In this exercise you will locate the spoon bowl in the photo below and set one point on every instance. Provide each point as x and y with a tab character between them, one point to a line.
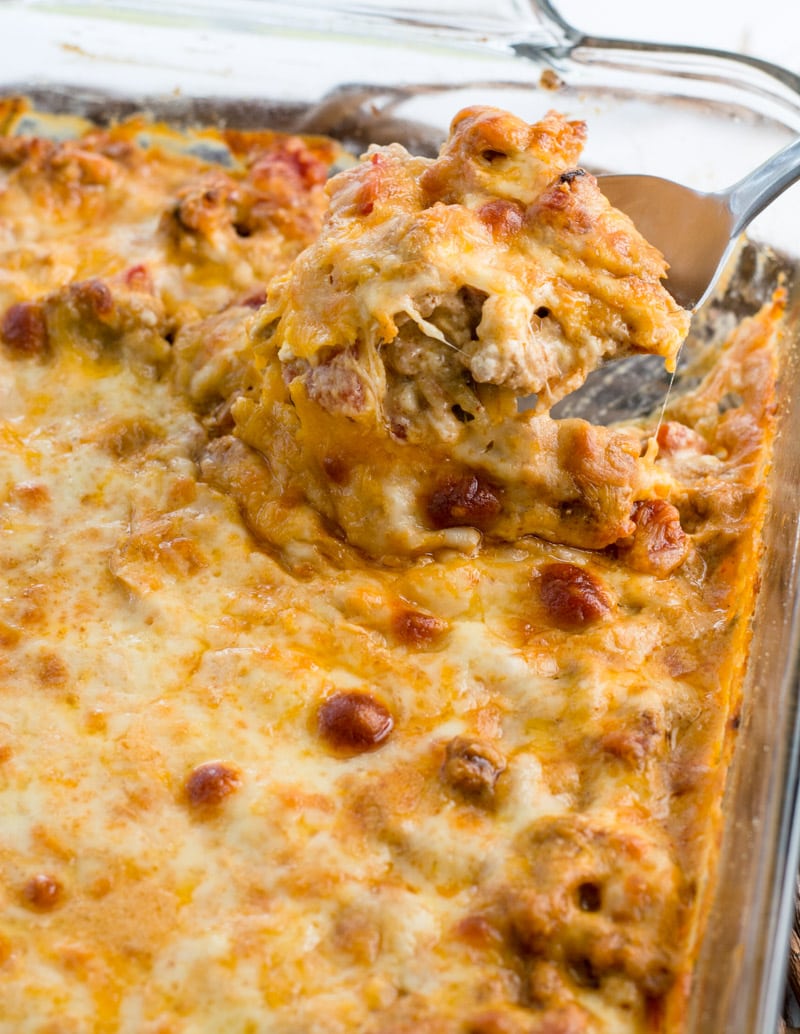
696	231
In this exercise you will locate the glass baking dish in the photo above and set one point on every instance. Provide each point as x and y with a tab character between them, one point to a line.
364	72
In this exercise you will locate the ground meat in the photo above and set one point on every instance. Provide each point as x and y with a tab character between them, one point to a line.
336	385
580	907
472	768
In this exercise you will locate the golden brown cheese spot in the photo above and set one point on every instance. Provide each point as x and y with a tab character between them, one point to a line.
42	892
15	150
634	740
472	767
353	723
9	635
556	205
96	722
157	546
572	596
465	500
598	462
52	671
201	207
494	1022
659	545
503	218
23	330
416	628
357	934
31	495
478	931
209	784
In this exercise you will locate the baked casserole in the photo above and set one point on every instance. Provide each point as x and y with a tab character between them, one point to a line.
342	690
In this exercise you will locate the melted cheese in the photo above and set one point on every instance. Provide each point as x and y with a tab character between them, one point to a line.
188	843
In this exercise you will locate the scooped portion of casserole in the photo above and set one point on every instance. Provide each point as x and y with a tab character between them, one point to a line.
439	292
338	694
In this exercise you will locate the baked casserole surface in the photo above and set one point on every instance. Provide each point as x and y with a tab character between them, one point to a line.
341	692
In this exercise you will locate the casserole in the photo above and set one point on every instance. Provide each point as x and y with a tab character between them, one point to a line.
522	68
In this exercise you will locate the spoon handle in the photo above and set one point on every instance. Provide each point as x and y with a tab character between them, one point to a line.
759	188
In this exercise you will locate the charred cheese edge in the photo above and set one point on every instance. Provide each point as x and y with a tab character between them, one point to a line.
252	779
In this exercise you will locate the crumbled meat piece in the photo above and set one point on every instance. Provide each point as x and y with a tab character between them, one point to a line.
634	738
114	317
472	768
336	385
597	903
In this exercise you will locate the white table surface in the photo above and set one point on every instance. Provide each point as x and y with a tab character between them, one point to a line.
768	29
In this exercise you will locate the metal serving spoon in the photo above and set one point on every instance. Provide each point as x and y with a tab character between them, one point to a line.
695	231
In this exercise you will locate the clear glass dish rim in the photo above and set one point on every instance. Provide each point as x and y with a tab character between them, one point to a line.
545	37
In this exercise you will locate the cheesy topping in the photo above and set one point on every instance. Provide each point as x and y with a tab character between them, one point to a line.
254	779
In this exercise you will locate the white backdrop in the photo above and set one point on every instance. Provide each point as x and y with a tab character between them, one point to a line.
768	29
